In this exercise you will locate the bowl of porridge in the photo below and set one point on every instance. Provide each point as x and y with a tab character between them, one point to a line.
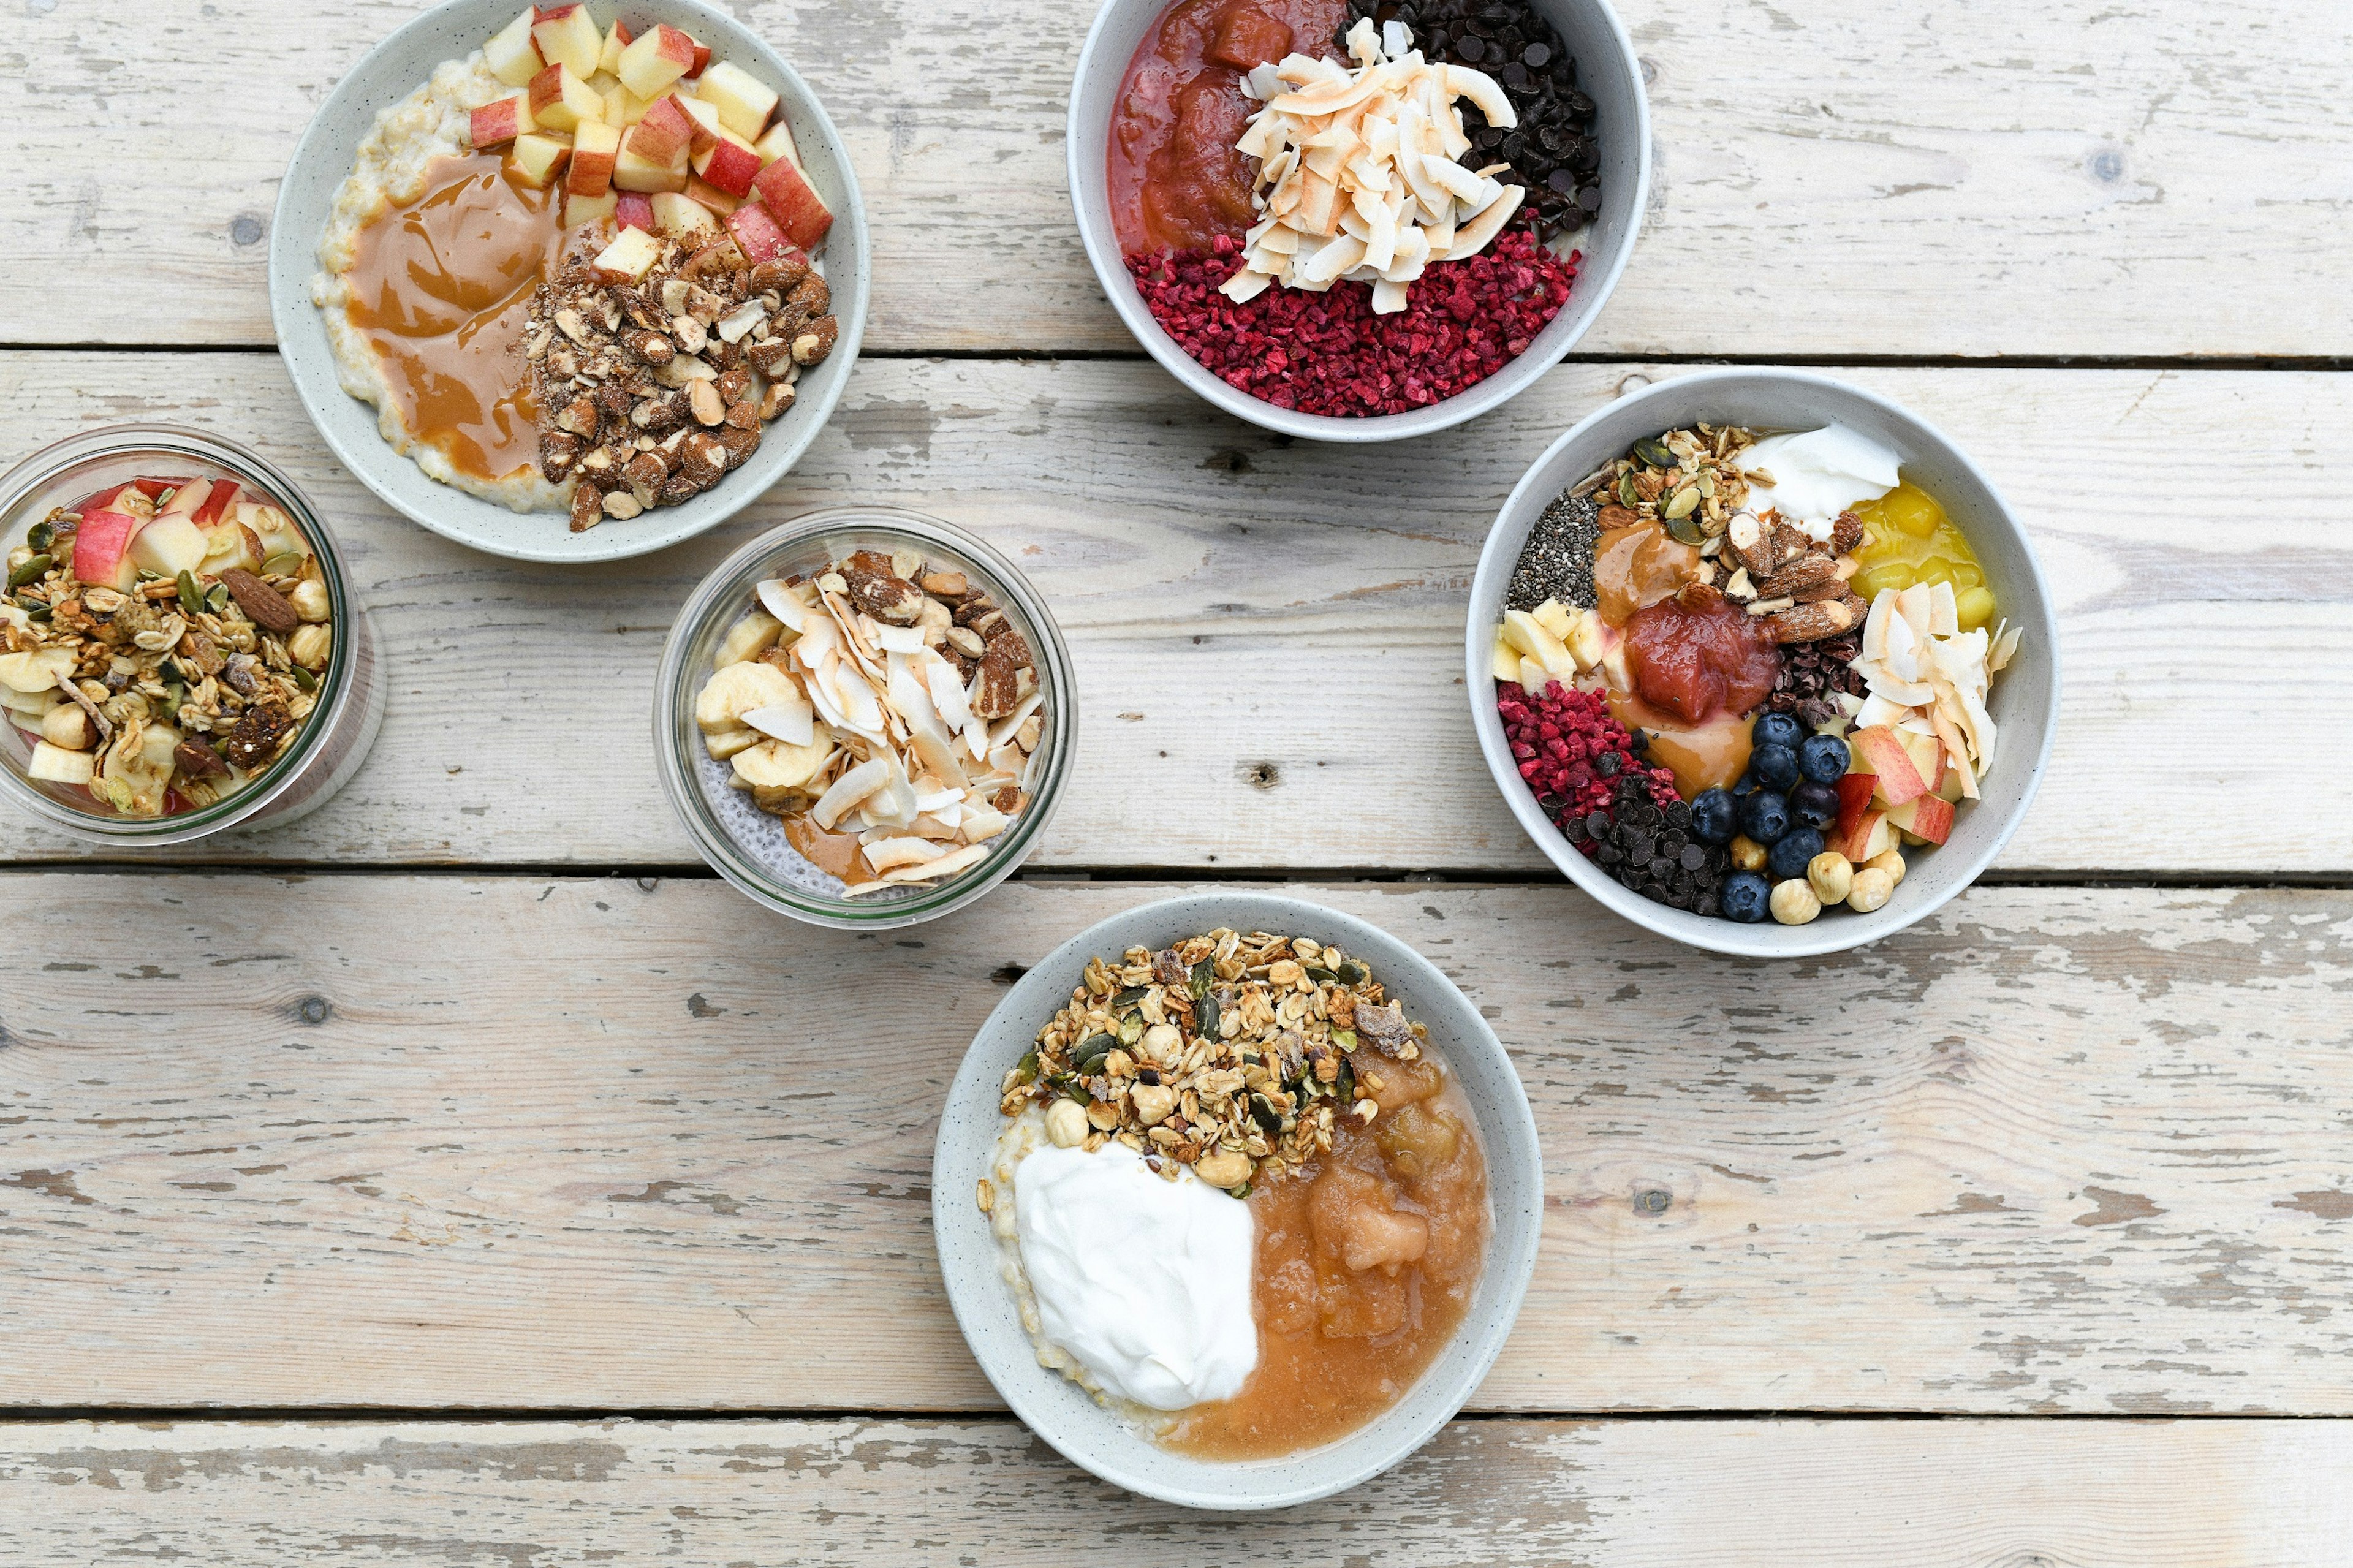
1236	1199
570	282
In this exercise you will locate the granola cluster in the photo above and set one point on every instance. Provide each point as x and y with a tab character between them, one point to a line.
1233	1054
650	389
178	690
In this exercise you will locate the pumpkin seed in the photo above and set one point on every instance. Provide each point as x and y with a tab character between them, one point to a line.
1205	1018
1327	976
41	536
1204	975
1093	1046
190	595
1345	1039
1344	1088
1353	974
1131	997
1130	1031
174	694
34	609
1024	1071
304	678
30	571
1686	501
1658	453
216	598
285	563
1627	494
1686	530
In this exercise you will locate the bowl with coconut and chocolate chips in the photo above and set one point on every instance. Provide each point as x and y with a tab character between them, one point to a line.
865	717
1762	662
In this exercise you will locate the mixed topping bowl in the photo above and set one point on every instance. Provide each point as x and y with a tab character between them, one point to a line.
1238	1198
1337	218
166	641
1744	673
576	271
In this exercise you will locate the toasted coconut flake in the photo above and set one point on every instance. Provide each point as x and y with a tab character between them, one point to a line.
886	853
794	722
945	866
848	791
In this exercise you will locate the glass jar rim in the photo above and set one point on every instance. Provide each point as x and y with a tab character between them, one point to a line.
728	588
113	441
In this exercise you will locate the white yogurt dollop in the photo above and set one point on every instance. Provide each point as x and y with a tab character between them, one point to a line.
1818	474
1145	1280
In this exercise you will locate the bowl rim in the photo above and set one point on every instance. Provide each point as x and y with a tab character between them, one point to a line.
297	320
1595	284
1510	1138
677	768
1733	939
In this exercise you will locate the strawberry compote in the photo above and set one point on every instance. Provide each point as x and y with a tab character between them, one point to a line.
1697	655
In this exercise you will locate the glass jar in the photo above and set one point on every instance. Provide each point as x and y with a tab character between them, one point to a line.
747	846
334	736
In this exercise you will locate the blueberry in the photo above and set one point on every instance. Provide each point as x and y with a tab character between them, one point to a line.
1776	767
1765	815
1745	784
1712	817
1815	804
1822	759
1788	859
1776	730
1746	896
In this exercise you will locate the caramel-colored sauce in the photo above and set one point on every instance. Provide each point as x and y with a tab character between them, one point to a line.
1702	756
440	289
835	854
1336	1345
1636	566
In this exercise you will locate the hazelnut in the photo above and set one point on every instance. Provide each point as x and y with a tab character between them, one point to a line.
1871	890
1794	903
1153	1102
1832	876
66	726
309	645
1890	861
1065	1123
1225	1168
310	599
1747	855
1160	1045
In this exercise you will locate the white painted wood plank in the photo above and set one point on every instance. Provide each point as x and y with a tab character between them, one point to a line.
1855	1494
425	1141
1269	638
1957	178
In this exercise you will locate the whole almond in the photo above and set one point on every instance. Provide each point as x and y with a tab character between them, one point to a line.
262	603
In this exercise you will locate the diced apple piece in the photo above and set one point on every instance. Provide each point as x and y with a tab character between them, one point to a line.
718	201
777	143
1867	839
512	58
230	546
757	233
701	61
500	121
666	130
1855	791
635	212
729	164
608	58
721	255
702	117
276	530
793	202
187	498
55	765
101	552
635	172
1882	752
1928	754
561	100
223	495
168	546
631	256
652	62
539	159
680	217
567	35
151	488
1927	817
579	210
596	150
743	101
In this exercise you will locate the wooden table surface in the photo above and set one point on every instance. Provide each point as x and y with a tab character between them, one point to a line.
466	1176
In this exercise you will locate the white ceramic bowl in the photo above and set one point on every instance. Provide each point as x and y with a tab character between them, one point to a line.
1065	1416
2025	698
390	72
1608	71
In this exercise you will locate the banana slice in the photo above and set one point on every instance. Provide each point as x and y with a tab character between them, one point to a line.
726	743
747	638
777	764
735	689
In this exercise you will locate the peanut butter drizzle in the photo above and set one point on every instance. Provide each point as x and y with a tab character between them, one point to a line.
835	854
1702	757
440	289
1636	566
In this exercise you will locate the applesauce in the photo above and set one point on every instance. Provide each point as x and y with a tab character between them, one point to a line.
1365	1262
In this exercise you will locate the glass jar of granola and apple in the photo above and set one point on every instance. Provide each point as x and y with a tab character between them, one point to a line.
181	651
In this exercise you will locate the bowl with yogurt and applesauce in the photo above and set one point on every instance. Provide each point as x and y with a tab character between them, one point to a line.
1236	1199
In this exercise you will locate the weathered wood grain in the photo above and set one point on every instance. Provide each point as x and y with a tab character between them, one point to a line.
433	1141
1267	639
1949	1494
1832	178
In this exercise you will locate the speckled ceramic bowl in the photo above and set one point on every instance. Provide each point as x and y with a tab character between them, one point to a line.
2024	701
1064	1415
1607	70
390	72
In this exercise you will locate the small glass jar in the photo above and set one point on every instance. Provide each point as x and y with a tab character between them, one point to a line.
334	736
747	846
